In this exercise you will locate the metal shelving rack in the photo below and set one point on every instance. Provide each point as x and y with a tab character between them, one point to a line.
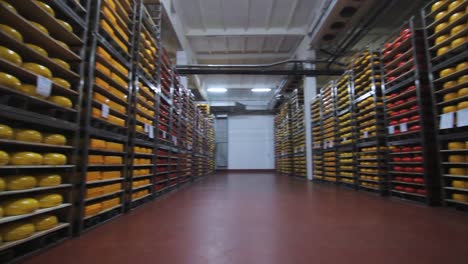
283	121
317	140
329	132
346	142
368	105
298	133
413	163
447	77
106	112
26	109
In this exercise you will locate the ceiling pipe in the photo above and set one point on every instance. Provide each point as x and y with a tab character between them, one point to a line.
245	66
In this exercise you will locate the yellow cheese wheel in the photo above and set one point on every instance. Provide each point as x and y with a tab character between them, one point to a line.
46	7
9	81
61	100
95	159
463	92
11	32
49	200
49	180
55	139
45	222
454	4
447	72
463	79
65	25
28	89
462	105
111	174
10	55
8	5
457	42
437	5
97	143
20	206
443	50
450	96
29	135
93	209
55	159
460	197
456	145
38	49
93	176
456	158
62	82
440	27
4	158
458	184
63	44
457	171
457	29
450	84
20	182
456	16
440	15
449	109
6	132
62	63
441	39
17	231
26	158
38	69
462	66
2	185
113	160
40	27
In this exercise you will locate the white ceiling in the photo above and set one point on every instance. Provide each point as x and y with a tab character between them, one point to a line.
244	32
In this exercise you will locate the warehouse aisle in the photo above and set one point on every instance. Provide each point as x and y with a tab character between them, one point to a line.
247	218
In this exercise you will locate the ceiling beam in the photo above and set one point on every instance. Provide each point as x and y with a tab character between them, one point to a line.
247	21
202	14
215	71
249	32
242	56
293	11
271	7
280	43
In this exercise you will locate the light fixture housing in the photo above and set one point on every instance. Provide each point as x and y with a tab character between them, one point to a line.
217	90
261	90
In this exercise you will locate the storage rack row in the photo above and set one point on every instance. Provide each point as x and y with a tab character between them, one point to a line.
284	142
298	133
82	102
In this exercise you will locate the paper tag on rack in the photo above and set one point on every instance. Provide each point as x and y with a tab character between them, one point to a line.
345	139
164	134
151	131
146	128
43	86
404	127
447	120
366	134
331	144
105	111
325	145
462	118
391	130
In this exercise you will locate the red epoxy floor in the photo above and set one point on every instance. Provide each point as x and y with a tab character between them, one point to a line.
260	218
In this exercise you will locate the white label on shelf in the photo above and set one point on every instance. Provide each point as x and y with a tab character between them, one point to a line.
164	134
391	130
462	118
146	128
325	145
345	139
446	120
150	131
331	144
404	127
366	134
105	111
302	149
43	86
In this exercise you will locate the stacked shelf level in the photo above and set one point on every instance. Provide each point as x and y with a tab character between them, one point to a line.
413	164
368	105
329	132
446	45
40	117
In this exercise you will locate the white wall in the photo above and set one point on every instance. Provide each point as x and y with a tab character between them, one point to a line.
251	142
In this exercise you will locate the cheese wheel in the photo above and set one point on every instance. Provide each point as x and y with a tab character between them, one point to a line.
456	16
63	44
40	27
111	174
456	145
450	84
457	171
440	15
450	96
38	69
95	159
26	158
46	7
55	139
449	109
97	143
457	29
62	101
62	63
460	197
437	5
443	50
463	79
45	222
9	81
458	184
28	89
456	158
29	136
20	206
458	42
16	231
55	159
93	209
462	105
11	32
454	4
447	72
65	25
37	49
440	27
94	192
93	176
4	158
462	66
49	200
49	180
7	5
6	132
20	182
462	92
10	55
2	185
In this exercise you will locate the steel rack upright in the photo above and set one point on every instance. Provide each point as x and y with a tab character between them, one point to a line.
329	132
317	139
413	163
105	127
40	112
371	138
447	52
298	133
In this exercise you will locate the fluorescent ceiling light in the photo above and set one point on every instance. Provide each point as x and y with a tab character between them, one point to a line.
261	90
217	90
